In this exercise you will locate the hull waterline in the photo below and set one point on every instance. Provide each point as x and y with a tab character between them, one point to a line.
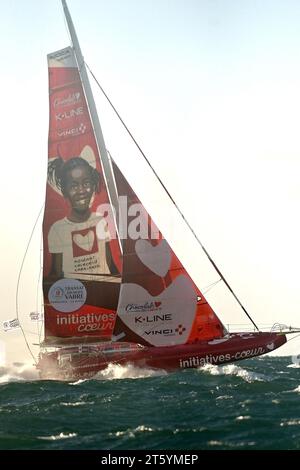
73	363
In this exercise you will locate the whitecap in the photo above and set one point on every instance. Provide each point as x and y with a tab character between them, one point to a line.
76	403
215	443
232	369
19	372
132	432
58	437
116	371
78	382
291	422
224	397
143	428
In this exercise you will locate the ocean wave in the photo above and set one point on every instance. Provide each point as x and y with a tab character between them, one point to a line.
232	369
213	408
290	422
294	366
76	403
116	371
18	372
58	437
132	432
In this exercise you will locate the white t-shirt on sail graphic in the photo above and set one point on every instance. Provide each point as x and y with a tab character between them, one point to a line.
82	245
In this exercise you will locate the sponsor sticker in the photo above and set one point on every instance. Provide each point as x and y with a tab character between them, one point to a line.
67	295
11	324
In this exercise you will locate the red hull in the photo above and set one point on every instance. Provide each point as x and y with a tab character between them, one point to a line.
84	361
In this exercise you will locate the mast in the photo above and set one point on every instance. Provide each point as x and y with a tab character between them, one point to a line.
104	159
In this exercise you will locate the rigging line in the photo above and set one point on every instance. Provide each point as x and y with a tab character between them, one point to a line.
40	272
291	339
172	200
18	282
39	329
210	286
31	333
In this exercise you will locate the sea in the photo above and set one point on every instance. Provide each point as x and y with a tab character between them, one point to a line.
251	405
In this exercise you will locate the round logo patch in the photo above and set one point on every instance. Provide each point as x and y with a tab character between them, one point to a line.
67	295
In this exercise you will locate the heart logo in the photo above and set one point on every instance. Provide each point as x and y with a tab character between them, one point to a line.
270	346
156	258
85	242
172	323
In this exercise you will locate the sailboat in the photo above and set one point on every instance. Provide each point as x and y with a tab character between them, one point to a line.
114	290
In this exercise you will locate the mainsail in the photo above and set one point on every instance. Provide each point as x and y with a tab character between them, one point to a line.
82	265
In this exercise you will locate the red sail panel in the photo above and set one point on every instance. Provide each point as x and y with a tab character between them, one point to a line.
81	273
159	304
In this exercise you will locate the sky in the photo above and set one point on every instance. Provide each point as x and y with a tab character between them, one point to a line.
210	90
